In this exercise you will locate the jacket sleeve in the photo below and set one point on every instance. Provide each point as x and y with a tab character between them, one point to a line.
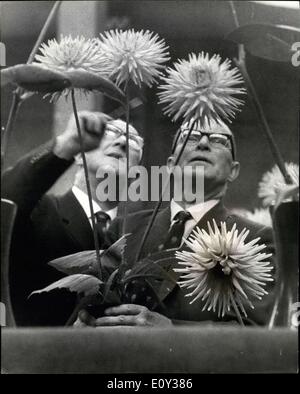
32	176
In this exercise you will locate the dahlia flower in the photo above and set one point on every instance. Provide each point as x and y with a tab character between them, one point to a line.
202	88
273	183
223	270
70	55
135	55
258	215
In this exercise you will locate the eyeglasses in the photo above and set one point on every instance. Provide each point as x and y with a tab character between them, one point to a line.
216	140
135	141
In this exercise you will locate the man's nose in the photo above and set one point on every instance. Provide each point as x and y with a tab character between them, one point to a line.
203	142
120	140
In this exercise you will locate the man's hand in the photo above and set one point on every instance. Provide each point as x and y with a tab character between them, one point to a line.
92	126
124	315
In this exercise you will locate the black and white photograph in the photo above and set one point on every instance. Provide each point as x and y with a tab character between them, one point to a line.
149	190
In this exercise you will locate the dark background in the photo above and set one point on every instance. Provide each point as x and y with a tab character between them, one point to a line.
187	26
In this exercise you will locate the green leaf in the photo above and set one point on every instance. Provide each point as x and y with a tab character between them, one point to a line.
35	78
163	262
109	284
86	262
111	258
157	268
144	276
158	263
157	271
155	295
78	263
87	80
86	284
272	42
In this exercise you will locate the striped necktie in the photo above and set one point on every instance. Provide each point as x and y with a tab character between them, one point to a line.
102	220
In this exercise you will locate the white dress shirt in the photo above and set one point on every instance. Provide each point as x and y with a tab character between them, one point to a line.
84	202
197	211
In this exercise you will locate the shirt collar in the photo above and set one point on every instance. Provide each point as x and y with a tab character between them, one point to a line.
83	200
197	211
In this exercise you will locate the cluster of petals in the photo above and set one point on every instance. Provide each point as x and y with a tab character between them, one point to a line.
223	270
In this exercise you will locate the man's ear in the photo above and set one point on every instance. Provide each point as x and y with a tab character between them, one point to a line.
141	155
235	170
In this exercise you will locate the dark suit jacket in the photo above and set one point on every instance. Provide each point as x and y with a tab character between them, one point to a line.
46	227
177	306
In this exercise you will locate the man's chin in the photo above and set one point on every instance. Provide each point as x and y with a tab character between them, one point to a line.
198	163
110	167
194	170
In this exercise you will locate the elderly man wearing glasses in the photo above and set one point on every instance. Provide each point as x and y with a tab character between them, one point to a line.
50	226
212	147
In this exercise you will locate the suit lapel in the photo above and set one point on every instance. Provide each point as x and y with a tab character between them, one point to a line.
218	212
159	231
75	221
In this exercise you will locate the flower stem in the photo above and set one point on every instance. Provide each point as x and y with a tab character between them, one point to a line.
127	158
264	124
234	14
80	305
241	63
71	320
237	312
237	25
88	186
17	94
43	32
155	211
15	105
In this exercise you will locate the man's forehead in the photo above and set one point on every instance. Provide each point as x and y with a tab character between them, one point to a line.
121	126
211	127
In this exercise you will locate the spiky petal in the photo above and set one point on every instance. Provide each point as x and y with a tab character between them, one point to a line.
273	183
222	270
135	55
202	88
258	215
71	54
